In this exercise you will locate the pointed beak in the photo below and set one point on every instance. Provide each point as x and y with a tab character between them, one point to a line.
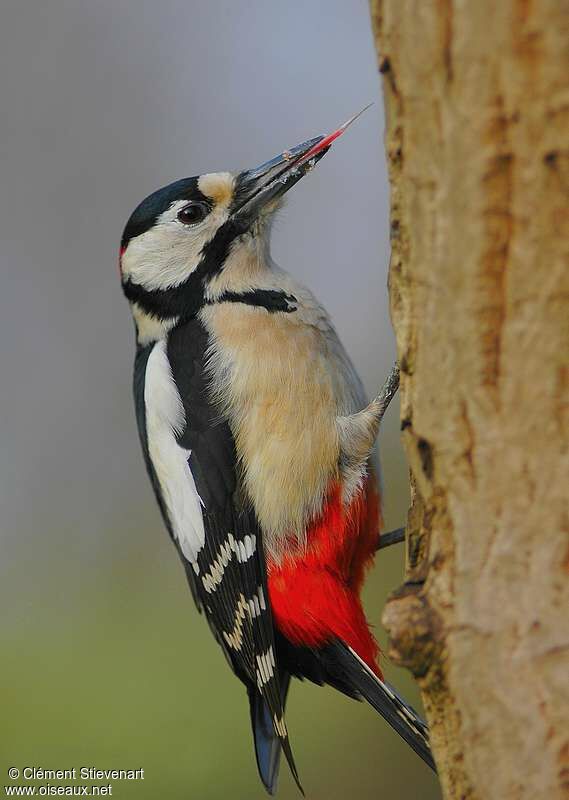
257	187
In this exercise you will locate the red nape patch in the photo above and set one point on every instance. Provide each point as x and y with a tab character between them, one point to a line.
121	253
315	596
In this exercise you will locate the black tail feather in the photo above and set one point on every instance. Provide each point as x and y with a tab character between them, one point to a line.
268	744
402	718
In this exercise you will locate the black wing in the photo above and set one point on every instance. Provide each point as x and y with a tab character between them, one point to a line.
139	379
228	578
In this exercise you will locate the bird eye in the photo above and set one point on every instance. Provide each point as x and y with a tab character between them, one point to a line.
193	213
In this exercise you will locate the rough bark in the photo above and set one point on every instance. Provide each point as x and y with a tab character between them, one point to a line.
477	101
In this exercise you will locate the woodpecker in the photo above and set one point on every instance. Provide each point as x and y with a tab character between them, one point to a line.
257	437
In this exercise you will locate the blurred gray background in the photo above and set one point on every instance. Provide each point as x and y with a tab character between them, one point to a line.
104	660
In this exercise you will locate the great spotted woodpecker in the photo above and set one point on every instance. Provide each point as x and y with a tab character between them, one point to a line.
257	439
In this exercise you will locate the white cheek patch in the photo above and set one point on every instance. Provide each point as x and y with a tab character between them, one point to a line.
165	256
164	419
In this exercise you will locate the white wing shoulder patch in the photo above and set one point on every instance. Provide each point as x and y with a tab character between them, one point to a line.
165	419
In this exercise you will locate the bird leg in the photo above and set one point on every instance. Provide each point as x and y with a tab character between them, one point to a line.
388	538
357	433
387	392
373	416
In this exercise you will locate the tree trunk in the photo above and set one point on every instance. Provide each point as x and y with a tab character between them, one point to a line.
477	100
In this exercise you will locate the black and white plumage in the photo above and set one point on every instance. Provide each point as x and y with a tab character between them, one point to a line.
213	527
256	437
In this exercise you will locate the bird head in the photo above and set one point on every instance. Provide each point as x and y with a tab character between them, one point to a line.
187	243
